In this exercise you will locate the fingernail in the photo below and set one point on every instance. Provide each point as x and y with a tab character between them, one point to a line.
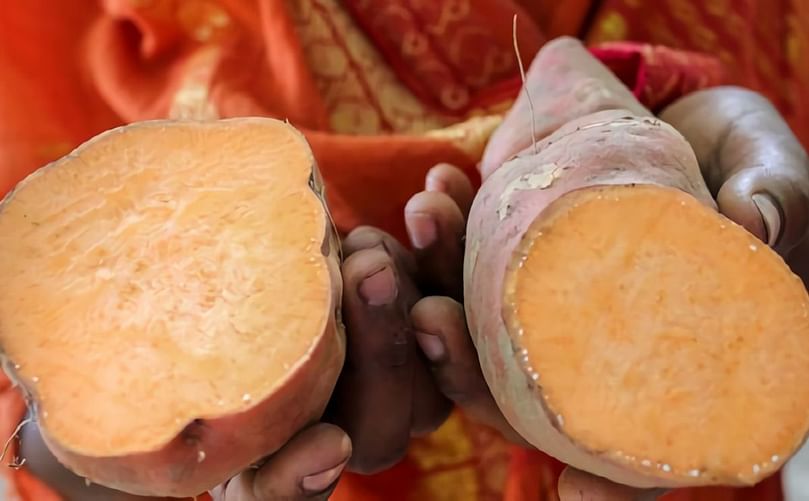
379	288
432	183
422	230
770	215
319	482
432	346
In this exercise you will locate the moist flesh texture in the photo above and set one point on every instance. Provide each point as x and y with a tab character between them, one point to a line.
161	274
660	335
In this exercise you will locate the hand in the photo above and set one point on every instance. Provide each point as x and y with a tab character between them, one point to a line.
751	160
753	164
385	394
306	468
436	223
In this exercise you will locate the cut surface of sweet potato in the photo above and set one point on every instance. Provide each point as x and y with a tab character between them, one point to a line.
650	326
163	274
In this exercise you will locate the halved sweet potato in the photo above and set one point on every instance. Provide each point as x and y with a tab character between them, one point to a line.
169	296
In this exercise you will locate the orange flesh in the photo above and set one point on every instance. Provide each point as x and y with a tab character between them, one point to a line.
160	274
661	334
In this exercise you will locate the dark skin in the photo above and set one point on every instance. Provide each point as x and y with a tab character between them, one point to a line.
410	358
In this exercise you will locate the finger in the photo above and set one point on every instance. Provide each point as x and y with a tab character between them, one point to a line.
436	228
751	160
446	178
374	400
770	203
429	408
575	485
442	336
368	237
306	468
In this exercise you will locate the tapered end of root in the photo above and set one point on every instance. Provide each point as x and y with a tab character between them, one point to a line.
661	336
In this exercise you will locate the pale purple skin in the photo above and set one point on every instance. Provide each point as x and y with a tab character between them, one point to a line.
601	149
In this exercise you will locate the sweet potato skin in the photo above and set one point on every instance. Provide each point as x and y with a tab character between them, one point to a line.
211	450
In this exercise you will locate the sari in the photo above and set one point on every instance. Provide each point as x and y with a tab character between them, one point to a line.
383	91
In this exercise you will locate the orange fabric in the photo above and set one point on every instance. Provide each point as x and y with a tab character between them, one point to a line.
383	90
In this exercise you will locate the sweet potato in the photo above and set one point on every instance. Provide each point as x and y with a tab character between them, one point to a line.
623	325
169	298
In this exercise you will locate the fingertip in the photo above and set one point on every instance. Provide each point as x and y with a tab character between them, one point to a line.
447	173
430	216
326	436
361	238
422	214
772	205
432	202
310	463
329	440
453	181
735	201
363	264
438	315
435	181
432	346
335	435
321	482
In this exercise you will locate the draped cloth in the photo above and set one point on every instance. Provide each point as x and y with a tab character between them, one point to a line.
383	91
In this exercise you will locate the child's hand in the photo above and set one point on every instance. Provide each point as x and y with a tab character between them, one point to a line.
385	394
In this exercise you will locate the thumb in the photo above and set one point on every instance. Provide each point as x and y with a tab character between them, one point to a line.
770	203
306	468
750	159
444	339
